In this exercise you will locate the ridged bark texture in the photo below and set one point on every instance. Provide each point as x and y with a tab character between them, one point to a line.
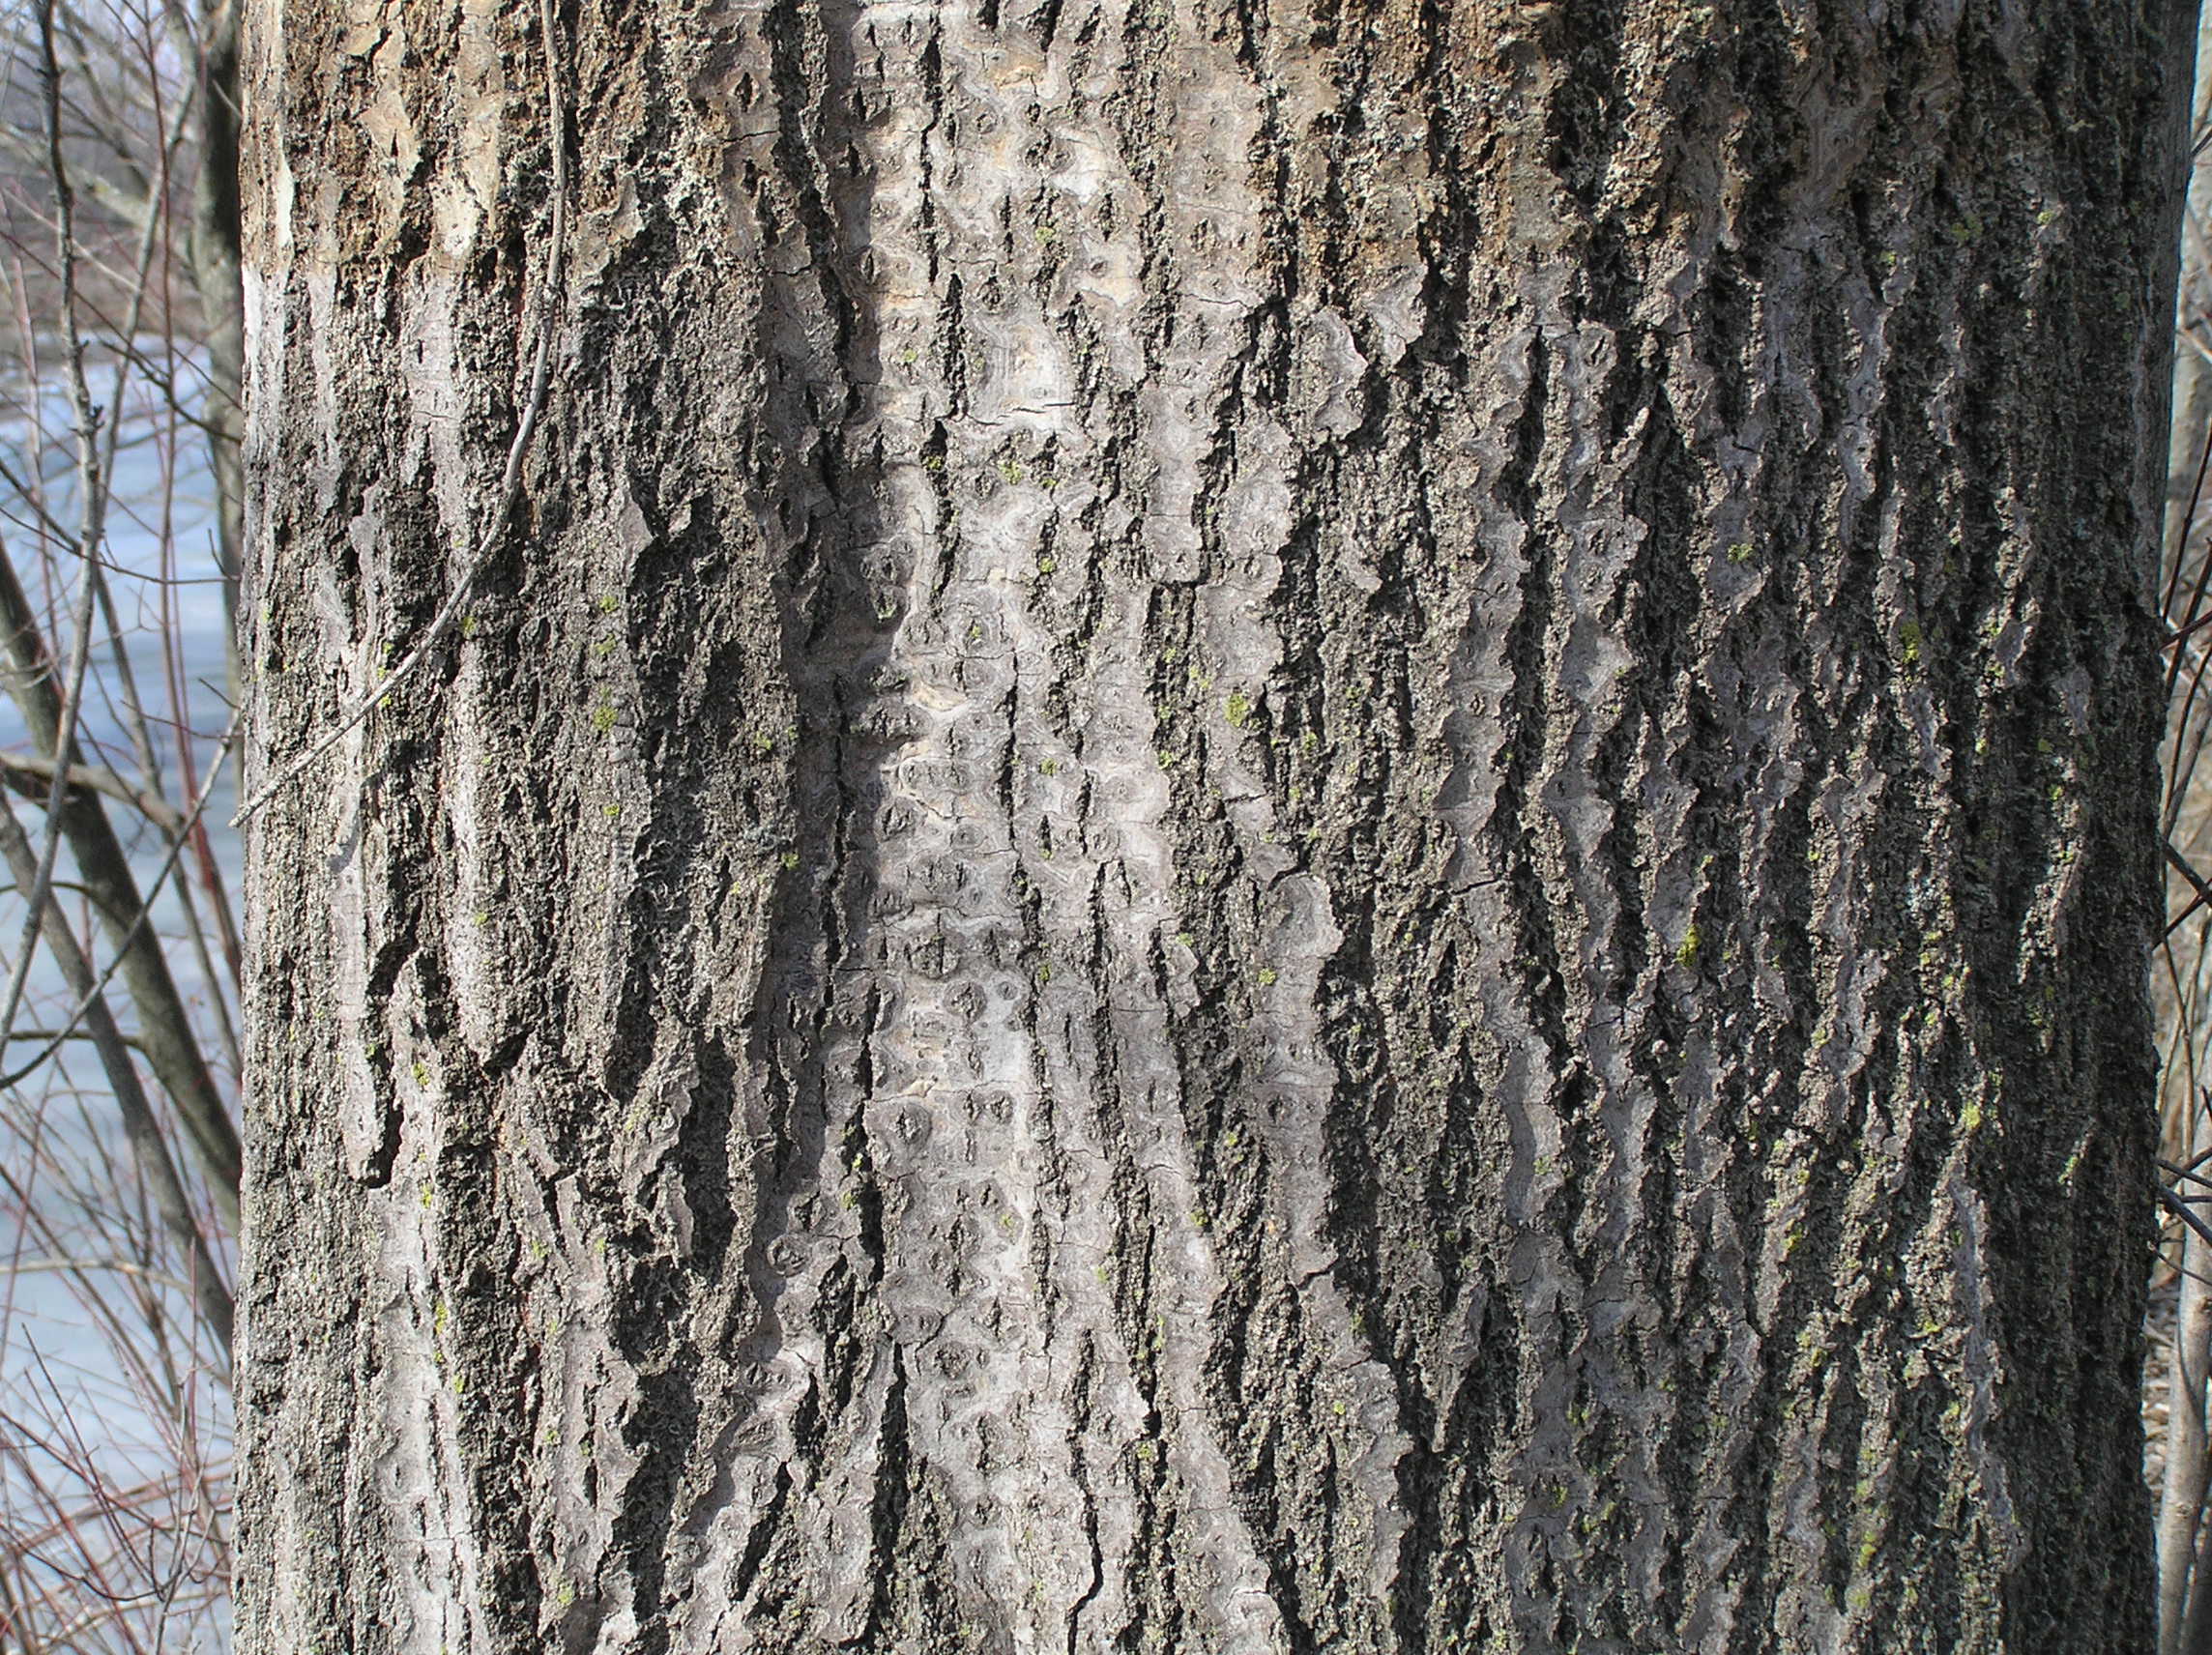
1279	827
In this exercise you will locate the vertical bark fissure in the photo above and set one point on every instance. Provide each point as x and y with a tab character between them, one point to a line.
1280	834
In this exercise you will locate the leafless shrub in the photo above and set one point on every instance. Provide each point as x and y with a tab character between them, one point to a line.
119	1156
2175	1385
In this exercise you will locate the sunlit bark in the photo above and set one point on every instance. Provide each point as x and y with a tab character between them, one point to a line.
1278	828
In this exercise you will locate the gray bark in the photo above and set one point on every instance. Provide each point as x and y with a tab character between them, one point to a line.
1276	829
212	247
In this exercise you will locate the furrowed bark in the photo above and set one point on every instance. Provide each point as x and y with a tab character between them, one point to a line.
1277	829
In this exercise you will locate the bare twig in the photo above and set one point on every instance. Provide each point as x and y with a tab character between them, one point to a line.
145	911
490	531
90	1558
147	1140
43	771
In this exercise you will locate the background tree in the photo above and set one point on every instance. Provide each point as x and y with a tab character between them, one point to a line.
1260	826
119	1156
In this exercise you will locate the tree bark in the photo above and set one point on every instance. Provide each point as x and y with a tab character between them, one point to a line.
1277	829
212	246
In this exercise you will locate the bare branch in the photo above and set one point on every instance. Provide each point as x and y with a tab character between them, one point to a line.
148	804
490	531
138	1120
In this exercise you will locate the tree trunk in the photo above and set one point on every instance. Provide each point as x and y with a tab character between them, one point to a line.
213	247
1275	827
